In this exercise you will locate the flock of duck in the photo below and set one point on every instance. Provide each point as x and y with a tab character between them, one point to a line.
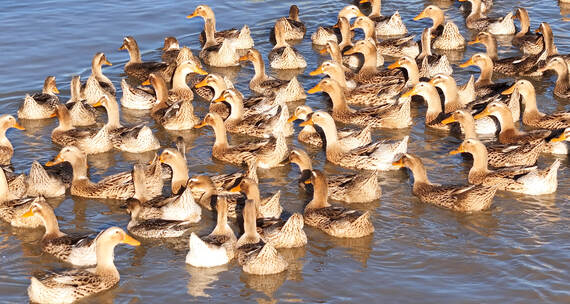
355	77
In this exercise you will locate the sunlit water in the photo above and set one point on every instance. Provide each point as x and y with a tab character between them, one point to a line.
516	252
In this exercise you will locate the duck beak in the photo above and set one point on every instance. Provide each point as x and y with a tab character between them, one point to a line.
323	51
350	51
107	62
420	16
243	58
537	30
55	90
318	71
199	71
124	46
236	189
220	99
399	163
448	120
29	213
432	81
308	122
99	103
394	65
160	159
458	150
201	125
315	89
409	93
202	83
54	114
467	63
462	0
18	126
292	118
474	41
194	14
484	113
57	160
509	90
127	239
562	137
364	1
146	82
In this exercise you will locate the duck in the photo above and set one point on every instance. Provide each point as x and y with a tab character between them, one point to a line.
13	207
364	94
350	138
447	37
180	90
156	228
218	54
333	49
180	207
82	114
283	56
176	160
412	71
282	234
323	34
267	209
527	180
135	139
531	115
499	155
374	156
560	66
435	113
97	84
6	149
211	87
346	34
263	124
550	48
78	250
242	37
52	183
460	198
394	47
385	25
269	153
336	221
40	105
140	70
263	84
369	73
218	247
170	50
17	184
348	188
88	140
254	255
295	29
509	134
138	98
510	66
431	64
395	115
72	285
528	42
498	26
118	186
484	85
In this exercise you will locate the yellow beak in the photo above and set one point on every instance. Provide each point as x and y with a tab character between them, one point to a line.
394	65
292	118
202	83
236	189
55	90
243	58
364	1
220	99
194	14
123	47
474	41
315	89
458	150
318	71
54	114
107	62
18	126
198	70
57	160
509	90
420	16
467	63
399	163
448	120
409	93
29	213
484	113
323	51
99	103
201	125
146	82
308	122
562	137
127	239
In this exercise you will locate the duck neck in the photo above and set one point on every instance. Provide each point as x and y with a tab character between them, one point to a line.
134	54
253	194
529	101
4	141
222	226
320	194
179	79
51	224
413	73
337	74
338	99
331	135
336	56
451	96
280	38
525	23
491	46
259	68
468	125
376	6
548	39
369	65
105	256
433	103
562	71
236	109
96	67
113	119
210	30
4	190
420	174
426	44
438	18
507	125
221	137
475	11
76	88
249	224
79	165
64	117
179	173
480	160
345	34
485	77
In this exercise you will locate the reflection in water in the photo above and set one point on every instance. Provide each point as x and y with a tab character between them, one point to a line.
294	256
266	284
201	279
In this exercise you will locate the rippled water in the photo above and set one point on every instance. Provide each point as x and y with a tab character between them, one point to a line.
516	252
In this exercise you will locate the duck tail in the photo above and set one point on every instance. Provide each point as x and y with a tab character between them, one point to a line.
552	172
268	261
294	223
363	223
293	91
271	208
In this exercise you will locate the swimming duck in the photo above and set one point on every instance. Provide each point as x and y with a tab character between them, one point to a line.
269	153
135	139
531	115
180	90
78	250
526	41
263	124
391	115
431	64
117	186
350	138
70	286
140	70
447	37
462	198
333	49
170	50
385	25
559	65
263	84
294	28
267	209
138	98
218	54
284	56
412	70
282	234
97	84
82	114
369	72
216	248
348	188
40	105
254	255
336	221
528	180
12	207
176	160
375	156
323	34
524	154
211	87
352	61
6	148
435	112
394	47
88	140
498	26
484	85
242	37
17	184
52	183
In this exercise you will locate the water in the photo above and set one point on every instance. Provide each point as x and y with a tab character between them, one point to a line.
517	252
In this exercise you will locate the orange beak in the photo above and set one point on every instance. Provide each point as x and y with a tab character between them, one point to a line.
130	240
201	125
194	14
318	71
57	160
458	150
484	113
124	46
448	120
146	82
409	93
107	62
243	58
315	89
364	1
18	126
394	65
509	90
202	83
399	163
292	118
323	51
562	137
99	103
308	181
198	70
308	122
467	63
420	16
474	41
220	99
236	189
29	213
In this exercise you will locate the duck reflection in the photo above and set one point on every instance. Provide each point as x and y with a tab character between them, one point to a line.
201	279
266	284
